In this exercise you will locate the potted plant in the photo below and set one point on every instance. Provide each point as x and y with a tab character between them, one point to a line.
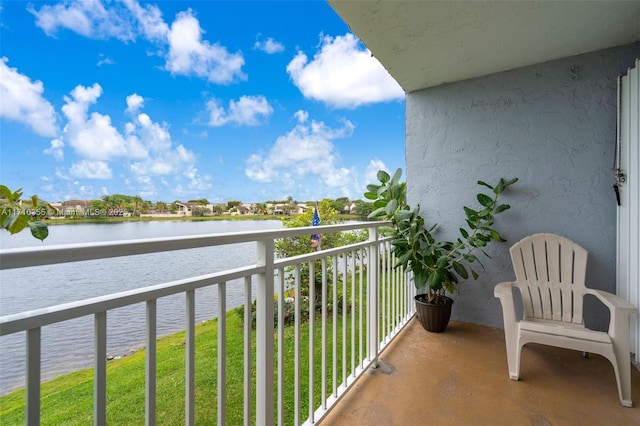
437	266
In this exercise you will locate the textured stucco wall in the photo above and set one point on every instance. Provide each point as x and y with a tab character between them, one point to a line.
551	127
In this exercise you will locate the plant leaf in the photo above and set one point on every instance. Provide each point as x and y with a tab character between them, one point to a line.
6	192
470	213
435	279
383	176
501	208
39	229
496	236
485	184
461	270
442	262
397	175
370	196
511	182
464	233
376	213
17	223
391	207
484	199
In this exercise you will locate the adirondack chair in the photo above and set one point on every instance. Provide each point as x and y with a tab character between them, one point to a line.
550	274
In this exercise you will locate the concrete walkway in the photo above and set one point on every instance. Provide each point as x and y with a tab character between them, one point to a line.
460	377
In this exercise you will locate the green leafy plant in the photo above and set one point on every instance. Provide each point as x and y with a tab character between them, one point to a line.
437	265
16	215
294	246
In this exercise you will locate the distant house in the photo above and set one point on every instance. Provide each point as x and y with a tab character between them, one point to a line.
349	208
185	209
58	209
242	210
250	209
76	207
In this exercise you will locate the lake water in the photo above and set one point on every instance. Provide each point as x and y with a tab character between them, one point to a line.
68	346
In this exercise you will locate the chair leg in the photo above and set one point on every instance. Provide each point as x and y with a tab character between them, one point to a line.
513	359
622	368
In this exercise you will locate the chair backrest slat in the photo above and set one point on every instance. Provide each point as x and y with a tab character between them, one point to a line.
550	273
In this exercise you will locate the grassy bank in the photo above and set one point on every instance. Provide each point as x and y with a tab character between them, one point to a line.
68	399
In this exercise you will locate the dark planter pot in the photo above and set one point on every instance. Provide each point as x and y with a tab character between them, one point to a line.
434	317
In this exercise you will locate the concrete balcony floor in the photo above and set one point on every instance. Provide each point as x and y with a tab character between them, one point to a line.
460	377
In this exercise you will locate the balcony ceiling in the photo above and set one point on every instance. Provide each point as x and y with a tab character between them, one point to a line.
428	43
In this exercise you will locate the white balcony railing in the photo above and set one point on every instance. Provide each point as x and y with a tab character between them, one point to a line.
361	294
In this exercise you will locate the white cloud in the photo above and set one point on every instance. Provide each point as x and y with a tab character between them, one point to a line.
343	74
371	174
301	116
104	60
22	101
150	20
154	136
269	46
134	103
185	52
145	149
56	149
86	169
88	18
190	55
92	136
305	150
245	111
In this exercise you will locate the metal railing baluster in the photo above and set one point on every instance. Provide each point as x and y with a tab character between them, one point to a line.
248	320
222	354
281	346
150	364
100	369
32	413
190	348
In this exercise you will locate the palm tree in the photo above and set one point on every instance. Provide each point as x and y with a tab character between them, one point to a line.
260	208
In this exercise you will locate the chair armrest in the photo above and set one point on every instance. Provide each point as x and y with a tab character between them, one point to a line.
620	310
613	302
503	290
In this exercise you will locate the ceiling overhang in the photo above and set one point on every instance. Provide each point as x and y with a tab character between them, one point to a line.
429	43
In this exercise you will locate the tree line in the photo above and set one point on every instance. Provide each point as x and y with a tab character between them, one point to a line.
136	205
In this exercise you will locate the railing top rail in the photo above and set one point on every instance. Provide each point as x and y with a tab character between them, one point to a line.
39	317
47	255
307	257
44	316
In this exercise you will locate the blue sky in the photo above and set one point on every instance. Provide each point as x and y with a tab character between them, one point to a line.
176	100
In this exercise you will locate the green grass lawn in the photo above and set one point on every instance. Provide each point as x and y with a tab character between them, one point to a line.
68	399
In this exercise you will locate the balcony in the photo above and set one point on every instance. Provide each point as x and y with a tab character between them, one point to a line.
360	302
374	356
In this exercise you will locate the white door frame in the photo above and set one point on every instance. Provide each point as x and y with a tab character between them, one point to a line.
628	182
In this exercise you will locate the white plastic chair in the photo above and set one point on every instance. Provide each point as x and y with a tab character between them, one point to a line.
550	274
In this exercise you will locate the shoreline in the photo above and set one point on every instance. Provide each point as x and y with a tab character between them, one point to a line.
108	220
